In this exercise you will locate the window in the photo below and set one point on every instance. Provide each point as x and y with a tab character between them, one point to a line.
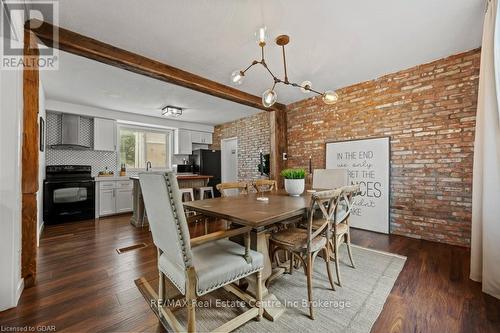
139	145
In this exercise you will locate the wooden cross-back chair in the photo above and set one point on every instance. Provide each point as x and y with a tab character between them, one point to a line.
242	188
306	244
200	265
340	224
265	185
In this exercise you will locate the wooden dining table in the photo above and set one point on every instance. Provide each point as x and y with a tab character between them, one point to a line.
263	216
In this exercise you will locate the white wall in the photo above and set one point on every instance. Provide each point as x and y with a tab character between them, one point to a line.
11	111
41	164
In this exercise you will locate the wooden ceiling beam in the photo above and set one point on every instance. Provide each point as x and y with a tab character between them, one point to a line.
87	47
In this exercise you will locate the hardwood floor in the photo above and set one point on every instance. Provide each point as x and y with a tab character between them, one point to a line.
433	293
83	283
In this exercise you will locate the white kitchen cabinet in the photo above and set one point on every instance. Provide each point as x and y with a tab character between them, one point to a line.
123	200
206	138
196	137
182	142
104	134
201	137
107	202
114	196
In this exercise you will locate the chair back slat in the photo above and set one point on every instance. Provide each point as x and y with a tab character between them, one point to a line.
265	185
345	203
326	201
224	188
162	200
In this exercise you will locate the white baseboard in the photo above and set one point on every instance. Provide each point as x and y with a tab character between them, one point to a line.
9	302
19	290
39	234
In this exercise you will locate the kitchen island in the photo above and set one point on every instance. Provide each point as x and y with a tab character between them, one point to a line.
184	180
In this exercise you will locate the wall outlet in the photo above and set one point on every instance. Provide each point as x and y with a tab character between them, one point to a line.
285	156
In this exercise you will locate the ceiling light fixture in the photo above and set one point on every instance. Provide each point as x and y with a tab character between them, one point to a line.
171	111
270	96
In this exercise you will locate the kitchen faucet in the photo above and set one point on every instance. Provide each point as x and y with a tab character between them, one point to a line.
148	165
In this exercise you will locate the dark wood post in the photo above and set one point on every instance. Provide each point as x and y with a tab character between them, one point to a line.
277	120
30	159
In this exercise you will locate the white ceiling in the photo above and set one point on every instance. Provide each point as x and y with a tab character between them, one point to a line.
82	81
334	43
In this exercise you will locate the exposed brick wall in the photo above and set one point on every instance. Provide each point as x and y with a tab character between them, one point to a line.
429	113
253	134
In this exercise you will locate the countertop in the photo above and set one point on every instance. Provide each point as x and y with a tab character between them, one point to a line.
182	177
111	178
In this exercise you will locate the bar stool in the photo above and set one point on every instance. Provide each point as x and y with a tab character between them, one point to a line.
187	190
202	190
190	192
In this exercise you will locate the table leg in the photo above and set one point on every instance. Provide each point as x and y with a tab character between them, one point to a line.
272	306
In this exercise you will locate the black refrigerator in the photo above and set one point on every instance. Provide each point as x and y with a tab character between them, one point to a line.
207	162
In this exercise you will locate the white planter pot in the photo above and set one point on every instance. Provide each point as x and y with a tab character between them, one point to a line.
294	187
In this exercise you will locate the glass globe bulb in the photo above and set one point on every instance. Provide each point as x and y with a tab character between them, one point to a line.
261	35
237	78
330	97
304	85
269	97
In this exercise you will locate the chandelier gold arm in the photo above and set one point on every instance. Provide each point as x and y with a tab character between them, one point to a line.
281	40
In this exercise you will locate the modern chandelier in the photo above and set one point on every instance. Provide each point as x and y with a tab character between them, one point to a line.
270	96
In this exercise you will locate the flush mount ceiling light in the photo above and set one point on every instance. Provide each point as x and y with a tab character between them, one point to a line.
269	96
171	111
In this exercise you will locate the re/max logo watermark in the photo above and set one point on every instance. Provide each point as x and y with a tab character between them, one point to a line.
15	16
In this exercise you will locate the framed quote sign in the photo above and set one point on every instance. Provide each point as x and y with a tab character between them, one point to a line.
367	163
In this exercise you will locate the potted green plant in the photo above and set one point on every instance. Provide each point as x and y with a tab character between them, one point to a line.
294	181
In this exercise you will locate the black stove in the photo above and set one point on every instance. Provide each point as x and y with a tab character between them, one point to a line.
65	172
69	193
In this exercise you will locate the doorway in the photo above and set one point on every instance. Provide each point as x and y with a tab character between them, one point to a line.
229	160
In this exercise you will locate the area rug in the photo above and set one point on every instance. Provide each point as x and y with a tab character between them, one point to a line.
354	307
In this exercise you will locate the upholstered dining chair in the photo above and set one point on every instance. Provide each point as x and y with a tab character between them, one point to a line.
340	224
329	179
195	266
225	188
306	244
265	185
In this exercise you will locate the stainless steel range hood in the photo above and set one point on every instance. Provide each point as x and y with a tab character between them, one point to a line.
70	133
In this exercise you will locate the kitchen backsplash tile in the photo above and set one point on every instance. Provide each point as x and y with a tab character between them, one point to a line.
99	160
179	159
